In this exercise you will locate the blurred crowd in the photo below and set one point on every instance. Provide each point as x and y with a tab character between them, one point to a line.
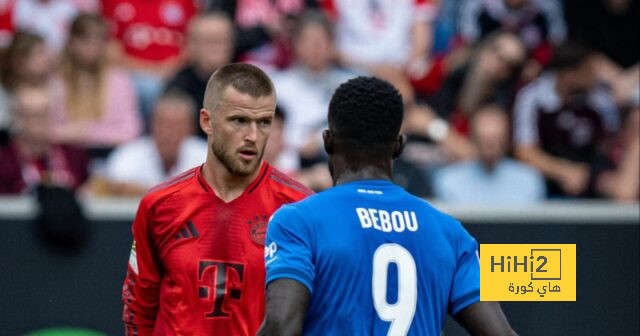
506	101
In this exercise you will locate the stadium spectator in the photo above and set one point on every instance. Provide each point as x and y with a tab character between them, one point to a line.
432	141
411	177
382	33
27	60
209	47
100	108
539	23
147	38
438	130
610	28
563	122
271	24
171	149
487	77
276	153
284	158
47	18
263	28
623	182
491	178
390	39
304	90
30	158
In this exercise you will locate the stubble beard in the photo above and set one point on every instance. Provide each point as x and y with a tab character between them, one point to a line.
231	162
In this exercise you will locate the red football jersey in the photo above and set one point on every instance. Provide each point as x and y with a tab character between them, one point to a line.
197	263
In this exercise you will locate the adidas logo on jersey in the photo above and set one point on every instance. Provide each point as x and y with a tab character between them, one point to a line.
188	231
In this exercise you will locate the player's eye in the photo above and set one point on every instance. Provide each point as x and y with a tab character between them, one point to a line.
239	120
264	122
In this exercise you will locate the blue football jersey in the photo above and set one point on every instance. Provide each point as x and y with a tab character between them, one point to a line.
376	260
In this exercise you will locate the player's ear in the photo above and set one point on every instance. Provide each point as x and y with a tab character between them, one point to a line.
327	138
205	121
398	145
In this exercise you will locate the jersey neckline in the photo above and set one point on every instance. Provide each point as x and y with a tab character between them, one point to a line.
373	182
264	168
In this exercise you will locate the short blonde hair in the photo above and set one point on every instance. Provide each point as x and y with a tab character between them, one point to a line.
245	78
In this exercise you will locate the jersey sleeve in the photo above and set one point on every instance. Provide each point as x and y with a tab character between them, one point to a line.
289	248
140	292
466	280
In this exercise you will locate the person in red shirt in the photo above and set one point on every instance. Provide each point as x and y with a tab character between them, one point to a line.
148	38
30	158
149	31
196	264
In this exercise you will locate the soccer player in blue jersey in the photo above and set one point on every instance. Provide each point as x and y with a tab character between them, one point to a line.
366	257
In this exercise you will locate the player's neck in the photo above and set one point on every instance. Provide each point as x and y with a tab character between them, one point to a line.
349	173
224	184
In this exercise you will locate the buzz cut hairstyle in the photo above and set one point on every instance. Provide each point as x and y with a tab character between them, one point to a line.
366	111
243	77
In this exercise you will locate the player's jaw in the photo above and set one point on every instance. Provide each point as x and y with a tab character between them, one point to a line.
248	161
242	161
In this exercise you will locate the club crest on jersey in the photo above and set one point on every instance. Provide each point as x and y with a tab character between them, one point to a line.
258	226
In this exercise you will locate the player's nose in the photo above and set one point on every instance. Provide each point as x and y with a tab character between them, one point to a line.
251	133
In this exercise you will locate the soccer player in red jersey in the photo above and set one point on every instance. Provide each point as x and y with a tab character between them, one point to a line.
197	260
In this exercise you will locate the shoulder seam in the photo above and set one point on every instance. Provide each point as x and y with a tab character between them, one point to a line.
282	178
163	198
184	180
289	185
182	177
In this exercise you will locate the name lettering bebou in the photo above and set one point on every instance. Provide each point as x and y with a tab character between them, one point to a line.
387	221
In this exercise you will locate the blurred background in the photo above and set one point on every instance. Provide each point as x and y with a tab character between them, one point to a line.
523	119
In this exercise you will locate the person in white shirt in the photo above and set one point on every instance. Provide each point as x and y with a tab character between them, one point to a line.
171	149
304	90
